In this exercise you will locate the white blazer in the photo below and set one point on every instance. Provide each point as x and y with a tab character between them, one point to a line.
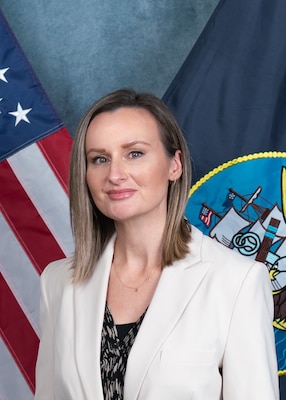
211	311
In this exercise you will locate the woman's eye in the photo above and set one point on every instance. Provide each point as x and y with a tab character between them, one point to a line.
99	160
136	154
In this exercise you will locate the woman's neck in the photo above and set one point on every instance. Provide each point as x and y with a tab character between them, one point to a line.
140	247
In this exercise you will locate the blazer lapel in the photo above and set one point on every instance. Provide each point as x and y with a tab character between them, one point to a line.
176	287
89	305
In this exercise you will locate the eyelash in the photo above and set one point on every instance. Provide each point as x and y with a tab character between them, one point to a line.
98	159
137	152
102	159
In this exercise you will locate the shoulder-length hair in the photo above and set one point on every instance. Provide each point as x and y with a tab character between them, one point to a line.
91	229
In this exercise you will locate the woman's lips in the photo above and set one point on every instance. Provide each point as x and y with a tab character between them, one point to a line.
121	194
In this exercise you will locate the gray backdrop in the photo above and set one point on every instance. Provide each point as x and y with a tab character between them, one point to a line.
82	49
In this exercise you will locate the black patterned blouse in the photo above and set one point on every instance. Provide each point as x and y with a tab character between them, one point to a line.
116	343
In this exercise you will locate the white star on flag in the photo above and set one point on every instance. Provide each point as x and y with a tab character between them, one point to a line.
20	114
2	73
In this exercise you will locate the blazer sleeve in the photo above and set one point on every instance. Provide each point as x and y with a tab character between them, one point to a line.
249	363
44	366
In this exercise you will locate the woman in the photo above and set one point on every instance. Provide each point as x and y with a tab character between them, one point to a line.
148	307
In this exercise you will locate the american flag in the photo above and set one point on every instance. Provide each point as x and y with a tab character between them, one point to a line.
206	215
34	212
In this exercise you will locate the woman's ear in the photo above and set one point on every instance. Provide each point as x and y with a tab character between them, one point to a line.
176	166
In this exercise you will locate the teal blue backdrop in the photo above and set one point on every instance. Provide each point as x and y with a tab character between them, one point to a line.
80	50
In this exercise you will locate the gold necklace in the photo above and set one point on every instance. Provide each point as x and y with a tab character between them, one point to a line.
132	287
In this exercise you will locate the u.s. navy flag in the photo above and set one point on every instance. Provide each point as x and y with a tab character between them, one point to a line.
34	212
230	100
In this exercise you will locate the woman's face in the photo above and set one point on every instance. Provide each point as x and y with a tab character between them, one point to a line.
128	171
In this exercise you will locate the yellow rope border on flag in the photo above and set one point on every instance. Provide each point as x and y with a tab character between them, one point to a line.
250	157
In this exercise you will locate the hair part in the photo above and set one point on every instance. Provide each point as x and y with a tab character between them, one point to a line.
91	229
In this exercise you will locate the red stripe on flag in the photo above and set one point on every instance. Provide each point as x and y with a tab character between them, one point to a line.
26	223
17	334
56	151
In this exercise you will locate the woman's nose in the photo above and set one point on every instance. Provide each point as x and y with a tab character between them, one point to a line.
117	171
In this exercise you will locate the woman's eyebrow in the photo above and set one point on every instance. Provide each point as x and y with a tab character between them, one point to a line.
94	150
131	144
124	146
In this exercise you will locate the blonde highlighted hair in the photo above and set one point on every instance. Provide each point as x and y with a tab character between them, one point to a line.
91	229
